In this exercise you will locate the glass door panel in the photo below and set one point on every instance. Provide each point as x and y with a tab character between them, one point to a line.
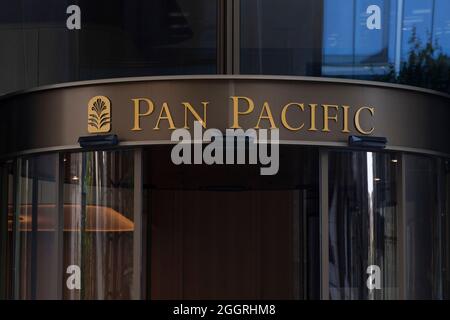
99	225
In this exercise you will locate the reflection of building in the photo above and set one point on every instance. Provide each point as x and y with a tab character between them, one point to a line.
352	50
136	226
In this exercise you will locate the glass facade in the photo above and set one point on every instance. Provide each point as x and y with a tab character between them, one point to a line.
70	233
117	38
35	218
425	228
334	223
99	226
363	223
398	41
207	232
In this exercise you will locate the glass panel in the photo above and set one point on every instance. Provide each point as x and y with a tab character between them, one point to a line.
363	225
425	212
117	39
398	41
9	250
418	18
45	243
276	37
23	222
225	232
34	224
445	185
99	225
4	168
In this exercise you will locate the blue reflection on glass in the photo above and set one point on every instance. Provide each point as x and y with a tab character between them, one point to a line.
338	29
418	15
368	42
350	47
441	27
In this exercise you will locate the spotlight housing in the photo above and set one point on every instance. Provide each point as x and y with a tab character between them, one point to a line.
367	142
109	140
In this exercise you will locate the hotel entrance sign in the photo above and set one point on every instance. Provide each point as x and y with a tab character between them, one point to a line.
292	116
145	111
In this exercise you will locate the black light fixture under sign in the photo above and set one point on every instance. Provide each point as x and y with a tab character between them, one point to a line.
99	141
367	142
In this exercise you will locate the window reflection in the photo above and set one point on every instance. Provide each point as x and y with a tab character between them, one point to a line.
362	224
445	197
117	39
333	39
35	252
6	237
92	238
281	37
350	48
417	15
98	224
441	26
199	227
425	228
98	219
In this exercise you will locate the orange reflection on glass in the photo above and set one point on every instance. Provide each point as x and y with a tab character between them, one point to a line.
98	219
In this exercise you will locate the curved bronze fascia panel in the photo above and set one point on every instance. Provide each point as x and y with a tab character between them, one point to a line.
312	111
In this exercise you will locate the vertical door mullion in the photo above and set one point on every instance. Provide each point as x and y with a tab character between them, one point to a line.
324	234
3	227
305	252
401	228
445	227
236	24
59	180
16	229
227	39
221	37
34	226
137	238
83	233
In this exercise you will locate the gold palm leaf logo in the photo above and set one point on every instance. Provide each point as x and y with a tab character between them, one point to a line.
99	115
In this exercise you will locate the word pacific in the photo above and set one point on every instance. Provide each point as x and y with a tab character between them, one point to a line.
293	116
